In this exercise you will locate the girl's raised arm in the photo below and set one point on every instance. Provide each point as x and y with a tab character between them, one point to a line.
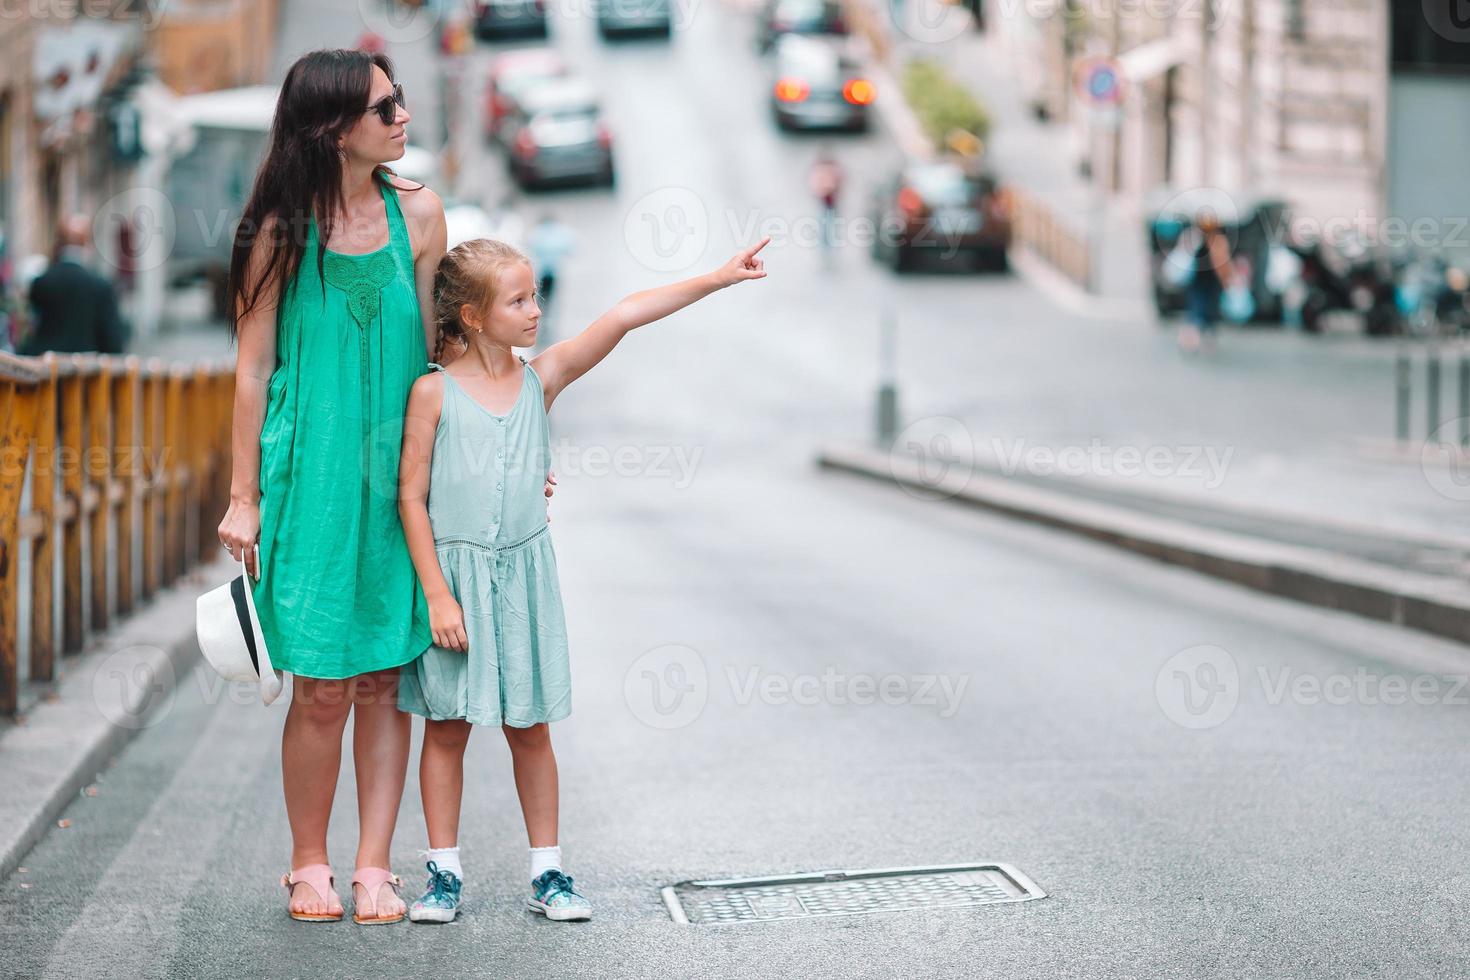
561	364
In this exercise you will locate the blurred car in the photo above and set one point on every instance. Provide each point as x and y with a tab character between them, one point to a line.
496	19
942	207
780	17
622	17
557	133
511	74
819	86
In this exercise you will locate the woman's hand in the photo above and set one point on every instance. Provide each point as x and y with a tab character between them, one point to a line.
239	532
550	483
446	622
743	267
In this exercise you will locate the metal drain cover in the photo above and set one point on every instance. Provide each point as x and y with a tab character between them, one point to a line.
824	893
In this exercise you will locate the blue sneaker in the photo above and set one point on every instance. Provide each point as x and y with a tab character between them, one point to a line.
552	895
441	902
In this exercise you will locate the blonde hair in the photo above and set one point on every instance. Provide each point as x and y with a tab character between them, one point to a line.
467	274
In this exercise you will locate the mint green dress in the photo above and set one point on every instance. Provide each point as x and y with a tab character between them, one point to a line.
338	595
487	508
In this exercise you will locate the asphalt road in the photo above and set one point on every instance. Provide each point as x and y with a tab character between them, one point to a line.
1292	838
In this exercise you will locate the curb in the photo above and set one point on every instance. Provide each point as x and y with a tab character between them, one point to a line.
106	697
1439	606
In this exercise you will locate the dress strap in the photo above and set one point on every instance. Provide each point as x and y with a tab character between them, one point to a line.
435	367
397	224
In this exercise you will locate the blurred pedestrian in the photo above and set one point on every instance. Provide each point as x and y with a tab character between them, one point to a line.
549	242
371	42
75	308
1209	256
825	180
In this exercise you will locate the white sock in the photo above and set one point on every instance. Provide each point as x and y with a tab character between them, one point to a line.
447	859
544	859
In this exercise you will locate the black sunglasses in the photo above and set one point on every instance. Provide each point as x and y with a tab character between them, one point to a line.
384	107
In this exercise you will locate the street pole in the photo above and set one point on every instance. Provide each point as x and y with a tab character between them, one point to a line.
1402	395
887	377
1431	389
1464	395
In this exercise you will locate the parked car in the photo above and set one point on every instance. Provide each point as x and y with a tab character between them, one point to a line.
497	19
780	17
616	18
513	73
558	134
818	85
944	207
1252	223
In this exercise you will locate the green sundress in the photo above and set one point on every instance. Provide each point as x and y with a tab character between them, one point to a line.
338	595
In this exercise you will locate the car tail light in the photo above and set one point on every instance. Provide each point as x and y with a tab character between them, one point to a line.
604	137
859	91
910	203
525	143
792	90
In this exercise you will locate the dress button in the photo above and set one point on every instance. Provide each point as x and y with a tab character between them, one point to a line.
497	486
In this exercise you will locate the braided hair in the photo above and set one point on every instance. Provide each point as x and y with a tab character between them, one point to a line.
467	274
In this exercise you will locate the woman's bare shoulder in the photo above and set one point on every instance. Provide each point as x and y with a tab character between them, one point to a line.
418	200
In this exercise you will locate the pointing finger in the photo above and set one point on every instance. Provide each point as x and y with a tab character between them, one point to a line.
756	247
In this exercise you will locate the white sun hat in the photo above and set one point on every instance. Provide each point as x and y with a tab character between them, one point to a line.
230	637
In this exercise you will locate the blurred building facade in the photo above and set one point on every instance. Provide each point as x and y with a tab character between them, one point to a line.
205	45
1352	110
85	127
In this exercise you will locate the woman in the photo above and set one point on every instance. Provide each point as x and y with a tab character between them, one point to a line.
330	284
1212	276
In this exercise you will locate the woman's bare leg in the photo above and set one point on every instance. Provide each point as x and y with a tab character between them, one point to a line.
535	770
441	779
311	756
380	741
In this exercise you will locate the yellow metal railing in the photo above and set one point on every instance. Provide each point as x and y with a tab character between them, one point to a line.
128	465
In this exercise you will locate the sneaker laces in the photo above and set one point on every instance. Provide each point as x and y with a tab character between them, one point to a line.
441	880
558	881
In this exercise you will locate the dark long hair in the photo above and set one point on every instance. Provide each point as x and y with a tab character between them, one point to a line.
323	96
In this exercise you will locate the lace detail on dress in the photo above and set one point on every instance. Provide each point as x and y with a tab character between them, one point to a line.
361	277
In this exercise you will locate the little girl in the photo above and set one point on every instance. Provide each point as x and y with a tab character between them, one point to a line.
476	456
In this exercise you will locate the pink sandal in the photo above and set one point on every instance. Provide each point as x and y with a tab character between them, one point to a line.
372	880
317	877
